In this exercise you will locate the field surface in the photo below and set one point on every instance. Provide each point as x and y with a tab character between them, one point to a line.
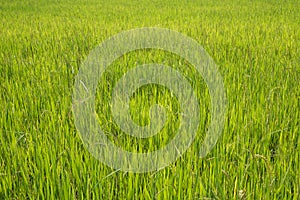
256	45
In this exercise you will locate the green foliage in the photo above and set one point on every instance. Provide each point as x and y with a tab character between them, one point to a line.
256	46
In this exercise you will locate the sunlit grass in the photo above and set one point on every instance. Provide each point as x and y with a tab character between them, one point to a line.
256	46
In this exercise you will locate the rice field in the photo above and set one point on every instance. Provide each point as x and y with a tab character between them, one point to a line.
256	46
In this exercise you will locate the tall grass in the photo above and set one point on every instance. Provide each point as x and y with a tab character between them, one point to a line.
256	46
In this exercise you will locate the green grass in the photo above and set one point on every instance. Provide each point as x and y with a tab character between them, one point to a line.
256	46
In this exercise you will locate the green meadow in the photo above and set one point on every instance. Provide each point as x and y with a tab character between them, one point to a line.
256	45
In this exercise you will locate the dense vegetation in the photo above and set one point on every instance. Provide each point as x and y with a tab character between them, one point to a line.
256	46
